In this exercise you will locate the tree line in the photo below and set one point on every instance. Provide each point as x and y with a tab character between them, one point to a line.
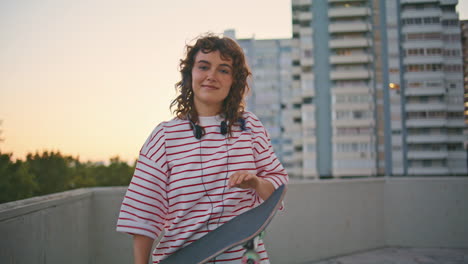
51	172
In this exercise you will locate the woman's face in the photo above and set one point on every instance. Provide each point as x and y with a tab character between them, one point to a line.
211	82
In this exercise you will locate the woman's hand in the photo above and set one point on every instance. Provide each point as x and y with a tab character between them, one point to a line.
248	180
243	180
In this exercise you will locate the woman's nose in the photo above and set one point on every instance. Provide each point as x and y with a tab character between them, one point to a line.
211	76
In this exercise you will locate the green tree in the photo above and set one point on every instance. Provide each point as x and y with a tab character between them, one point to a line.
16	182
52	170
118	173
83	175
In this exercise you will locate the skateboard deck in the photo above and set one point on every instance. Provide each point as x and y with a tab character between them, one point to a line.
238	231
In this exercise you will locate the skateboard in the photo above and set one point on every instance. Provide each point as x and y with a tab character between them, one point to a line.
243	229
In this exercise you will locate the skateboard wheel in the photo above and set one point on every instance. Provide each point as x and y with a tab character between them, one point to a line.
251	257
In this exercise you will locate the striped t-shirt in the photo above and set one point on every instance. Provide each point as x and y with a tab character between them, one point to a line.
180	182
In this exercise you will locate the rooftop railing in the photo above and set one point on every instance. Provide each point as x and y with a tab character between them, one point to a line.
322	219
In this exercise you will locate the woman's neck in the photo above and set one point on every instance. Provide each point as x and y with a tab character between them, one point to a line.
207	110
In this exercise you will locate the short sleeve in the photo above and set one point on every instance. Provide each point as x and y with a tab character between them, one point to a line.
145	206
268	165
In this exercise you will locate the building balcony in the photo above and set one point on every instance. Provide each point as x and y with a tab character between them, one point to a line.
457	154
436	138
456	138
350	106
322	219
354	123
297	141
413	13
423	60
351	59
350	74
424	75
296	70
449	2
351	89
297	156
413	1
455	108
434	106
408	44
427	154
350	43
349	27
429	171
353	139
308	92
351	172
306	31
426	122
425	91
296	28
301	2
456	123
449	15
295	113
304	16
422	28
307	61
348	12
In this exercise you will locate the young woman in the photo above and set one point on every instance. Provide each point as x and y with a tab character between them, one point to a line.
210	163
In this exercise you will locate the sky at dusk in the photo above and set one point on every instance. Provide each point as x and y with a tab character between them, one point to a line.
92	78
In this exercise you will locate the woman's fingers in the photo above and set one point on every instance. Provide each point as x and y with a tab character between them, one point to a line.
242	179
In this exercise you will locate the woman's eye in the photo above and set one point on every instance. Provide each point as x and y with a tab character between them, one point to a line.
224	71
203	67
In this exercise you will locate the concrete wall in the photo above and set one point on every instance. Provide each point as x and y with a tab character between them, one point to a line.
327	218
49	229
109	246
321	219
426	212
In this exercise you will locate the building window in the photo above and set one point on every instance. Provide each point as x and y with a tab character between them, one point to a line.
308	100
306	69
434	51
427	163
453	68
450	22
304	23
308	53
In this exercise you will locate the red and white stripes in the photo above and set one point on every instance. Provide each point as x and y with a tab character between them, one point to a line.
180	182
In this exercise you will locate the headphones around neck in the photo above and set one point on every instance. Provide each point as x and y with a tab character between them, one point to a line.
199	131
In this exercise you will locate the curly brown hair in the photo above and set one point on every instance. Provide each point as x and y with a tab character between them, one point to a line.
234	104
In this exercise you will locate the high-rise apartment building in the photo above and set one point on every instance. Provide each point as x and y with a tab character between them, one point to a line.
364	88
431	87
270	61
377	88
334	83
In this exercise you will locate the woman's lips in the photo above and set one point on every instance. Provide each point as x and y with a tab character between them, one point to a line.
210	87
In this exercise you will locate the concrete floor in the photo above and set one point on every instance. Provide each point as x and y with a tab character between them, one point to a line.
396	255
